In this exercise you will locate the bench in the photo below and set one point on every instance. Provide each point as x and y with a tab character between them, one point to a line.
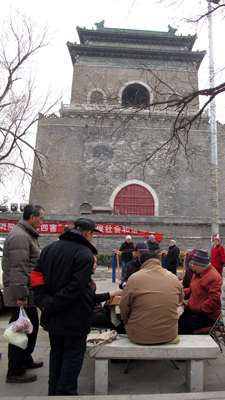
194	349
102	270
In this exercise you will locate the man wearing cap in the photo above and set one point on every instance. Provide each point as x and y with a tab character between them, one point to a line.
218	255
127	248
149	303
202	297
172	257
153	244
62	288
134	265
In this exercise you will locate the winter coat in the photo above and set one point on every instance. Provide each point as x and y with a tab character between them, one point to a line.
172	259
153	246
128	249
204	293
62	285
20	254
149	303
98	298
218	257
132	267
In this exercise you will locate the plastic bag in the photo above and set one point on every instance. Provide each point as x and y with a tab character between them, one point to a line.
18	339
22	324
15	332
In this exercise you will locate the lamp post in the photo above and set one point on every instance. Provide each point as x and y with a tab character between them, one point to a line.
213	130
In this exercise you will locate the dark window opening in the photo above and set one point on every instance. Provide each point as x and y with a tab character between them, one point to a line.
135	96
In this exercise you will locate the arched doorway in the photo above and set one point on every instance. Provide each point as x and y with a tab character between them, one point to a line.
134	199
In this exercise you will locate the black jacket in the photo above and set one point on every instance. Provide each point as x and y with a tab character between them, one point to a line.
153	246
172	259
132	267
62	285
128	249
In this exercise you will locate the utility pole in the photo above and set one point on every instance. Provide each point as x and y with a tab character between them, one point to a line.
213	129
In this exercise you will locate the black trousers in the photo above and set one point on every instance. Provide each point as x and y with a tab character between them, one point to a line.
190	322
66	360
17	357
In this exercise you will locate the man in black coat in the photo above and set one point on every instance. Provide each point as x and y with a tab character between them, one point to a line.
172	257
62	288
127	248
153	244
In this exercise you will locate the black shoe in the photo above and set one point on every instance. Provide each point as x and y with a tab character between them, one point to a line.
25	378
35	364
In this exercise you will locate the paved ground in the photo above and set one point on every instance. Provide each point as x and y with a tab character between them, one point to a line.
155	379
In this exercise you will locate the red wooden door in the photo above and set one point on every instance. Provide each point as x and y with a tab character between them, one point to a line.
134	200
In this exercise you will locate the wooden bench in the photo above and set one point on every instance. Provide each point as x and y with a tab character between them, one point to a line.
194	349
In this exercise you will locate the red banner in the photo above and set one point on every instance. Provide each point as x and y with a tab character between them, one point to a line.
106	229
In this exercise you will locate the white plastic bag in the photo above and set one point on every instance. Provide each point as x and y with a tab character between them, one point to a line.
22	324
15	332
19	339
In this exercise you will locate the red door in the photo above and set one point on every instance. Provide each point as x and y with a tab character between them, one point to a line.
134	200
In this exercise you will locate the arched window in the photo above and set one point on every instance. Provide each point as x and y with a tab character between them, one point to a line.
96	97
134	200
135	95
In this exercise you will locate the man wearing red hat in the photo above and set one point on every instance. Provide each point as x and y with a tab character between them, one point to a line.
218	255
202	298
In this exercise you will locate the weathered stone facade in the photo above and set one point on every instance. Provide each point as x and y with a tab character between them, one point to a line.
98	145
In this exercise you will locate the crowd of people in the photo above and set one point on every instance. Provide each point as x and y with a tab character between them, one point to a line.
155	306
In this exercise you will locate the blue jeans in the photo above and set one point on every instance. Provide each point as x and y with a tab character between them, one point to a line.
66	360
124	266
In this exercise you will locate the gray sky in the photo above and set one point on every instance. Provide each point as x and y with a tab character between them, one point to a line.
54	66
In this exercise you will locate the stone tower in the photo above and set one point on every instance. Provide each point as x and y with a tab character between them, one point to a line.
102	149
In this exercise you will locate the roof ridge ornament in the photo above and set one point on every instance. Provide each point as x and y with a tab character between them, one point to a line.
100	25
171	30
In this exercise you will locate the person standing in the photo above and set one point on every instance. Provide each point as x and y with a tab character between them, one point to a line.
20	254
172	257
153	244
63	291
127	247
218	255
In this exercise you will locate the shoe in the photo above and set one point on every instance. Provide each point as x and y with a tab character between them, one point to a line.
35	364
25	378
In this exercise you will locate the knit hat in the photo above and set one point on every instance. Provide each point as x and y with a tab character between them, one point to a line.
151	237
217	238
128	237
191	254
201	258
172	240
141	246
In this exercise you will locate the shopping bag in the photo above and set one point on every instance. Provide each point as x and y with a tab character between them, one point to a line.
15	332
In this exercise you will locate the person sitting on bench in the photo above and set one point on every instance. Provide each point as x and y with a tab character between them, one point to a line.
149	301
101	315
202	298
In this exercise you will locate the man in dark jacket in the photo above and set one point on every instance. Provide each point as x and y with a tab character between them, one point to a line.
153	244
134	265
127	248
20	254
62	287
172	257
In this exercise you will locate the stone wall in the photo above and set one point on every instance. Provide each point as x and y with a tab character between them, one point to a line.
188	232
